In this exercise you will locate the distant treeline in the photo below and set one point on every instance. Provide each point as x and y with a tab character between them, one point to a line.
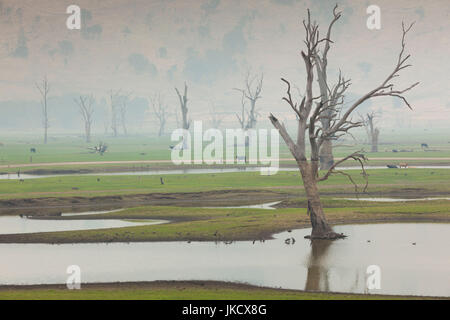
64	114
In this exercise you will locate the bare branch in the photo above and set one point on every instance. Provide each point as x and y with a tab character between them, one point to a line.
357	156
381	89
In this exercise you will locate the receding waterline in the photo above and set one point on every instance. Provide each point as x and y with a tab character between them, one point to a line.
413	259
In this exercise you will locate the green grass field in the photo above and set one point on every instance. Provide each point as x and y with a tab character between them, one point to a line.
178	291
385	180
209	224
66	148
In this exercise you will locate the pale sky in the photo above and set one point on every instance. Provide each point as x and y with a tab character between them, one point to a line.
150	46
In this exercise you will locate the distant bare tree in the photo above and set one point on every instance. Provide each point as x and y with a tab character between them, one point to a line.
183	105
160	111
310	126
251	92
243	118
85	105
372	132
44	89
118	104
123	105
113	96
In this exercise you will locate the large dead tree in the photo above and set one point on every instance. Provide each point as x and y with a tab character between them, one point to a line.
85	105
372	132
160	111
326	98
183	105
309	114
44	89
252	92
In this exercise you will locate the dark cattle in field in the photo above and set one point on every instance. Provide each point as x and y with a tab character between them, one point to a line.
33	150
424	145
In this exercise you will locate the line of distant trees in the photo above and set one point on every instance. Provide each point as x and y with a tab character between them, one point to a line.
118	107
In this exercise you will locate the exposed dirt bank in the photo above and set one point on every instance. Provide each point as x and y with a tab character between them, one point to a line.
48	206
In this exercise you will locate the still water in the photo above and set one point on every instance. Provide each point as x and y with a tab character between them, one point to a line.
16	224
413	257
24	176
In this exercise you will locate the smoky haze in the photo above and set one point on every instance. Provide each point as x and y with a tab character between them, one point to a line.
143	48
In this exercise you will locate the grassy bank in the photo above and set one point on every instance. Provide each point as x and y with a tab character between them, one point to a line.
207	224
177	290
71	148
380	181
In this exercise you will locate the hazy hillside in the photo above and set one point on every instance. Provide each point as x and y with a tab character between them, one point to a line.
145	47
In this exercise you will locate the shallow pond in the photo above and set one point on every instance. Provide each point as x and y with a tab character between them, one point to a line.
16	224
420	269
24	176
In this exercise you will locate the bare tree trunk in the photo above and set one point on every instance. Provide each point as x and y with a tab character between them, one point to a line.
88	133
184	113
321	64
375	140
320	227
45	130
160	111
183	105
326	155
252	93
113	109
372	132
85	106
123	111
44	89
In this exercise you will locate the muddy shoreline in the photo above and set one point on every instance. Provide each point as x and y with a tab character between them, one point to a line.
53	206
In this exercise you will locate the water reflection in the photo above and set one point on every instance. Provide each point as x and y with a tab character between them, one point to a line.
413	258
317	274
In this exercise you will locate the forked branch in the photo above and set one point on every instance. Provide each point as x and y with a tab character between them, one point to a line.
357	156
